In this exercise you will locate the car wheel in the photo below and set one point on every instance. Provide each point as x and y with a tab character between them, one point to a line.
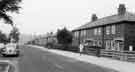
16	55
4	55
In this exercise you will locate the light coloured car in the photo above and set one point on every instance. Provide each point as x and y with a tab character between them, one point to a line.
2	45
10	49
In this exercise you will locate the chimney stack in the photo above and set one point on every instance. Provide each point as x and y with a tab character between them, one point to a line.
94	17
121	9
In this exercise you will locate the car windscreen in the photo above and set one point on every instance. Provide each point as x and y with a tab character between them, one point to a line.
11	45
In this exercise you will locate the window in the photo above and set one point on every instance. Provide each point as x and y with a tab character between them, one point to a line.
76	34
108	30
113	29
94	43
118	29
112	45
83	33
119	45
108	45
99	31
95	31
99	43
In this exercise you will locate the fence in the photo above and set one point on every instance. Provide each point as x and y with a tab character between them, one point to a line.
120	55
90	51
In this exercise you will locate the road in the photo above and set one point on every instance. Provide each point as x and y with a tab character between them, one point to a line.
36	60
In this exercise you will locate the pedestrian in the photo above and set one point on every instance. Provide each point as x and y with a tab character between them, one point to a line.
81	46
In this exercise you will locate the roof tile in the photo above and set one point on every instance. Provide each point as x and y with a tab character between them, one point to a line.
108	20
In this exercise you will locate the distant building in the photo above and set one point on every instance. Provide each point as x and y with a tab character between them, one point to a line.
116	32
48	38
51	38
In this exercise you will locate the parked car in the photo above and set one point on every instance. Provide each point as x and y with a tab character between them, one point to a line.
2	45
10	49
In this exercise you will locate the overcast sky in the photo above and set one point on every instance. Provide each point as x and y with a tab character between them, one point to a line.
41	16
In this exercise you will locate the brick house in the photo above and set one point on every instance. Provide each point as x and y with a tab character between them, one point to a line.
113	33
48	38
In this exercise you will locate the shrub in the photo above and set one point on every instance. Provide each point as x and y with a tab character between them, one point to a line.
57	46
70	47
64	36
49	45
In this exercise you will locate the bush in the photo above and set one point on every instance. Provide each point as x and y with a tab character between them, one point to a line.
72	48
49	45
64	36
57	46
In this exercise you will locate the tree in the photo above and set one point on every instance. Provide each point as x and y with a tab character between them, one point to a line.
14	34
7	6
64	36
3	38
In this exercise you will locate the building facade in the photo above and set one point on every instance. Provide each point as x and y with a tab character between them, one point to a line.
114	33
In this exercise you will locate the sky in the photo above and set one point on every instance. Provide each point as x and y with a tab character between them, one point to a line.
42	16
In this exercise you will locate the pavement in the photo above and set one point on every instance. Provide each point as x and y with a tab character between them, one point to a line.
36	59
8	66
117	65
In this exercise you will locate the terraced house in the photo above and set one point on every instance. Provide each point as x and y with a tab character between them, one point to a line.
113	33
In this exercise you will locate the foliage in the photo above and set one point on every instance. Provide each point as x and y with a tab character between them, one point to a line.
64	36
73	48
49	45
70	47
4	38
14	34
30	42
7	6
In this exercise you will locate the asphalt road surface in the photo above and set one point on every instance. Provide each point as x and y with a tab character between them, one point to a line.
36	60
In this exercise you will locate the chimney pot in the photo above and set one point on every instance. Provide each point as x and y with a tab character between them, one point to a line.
94	17
121	9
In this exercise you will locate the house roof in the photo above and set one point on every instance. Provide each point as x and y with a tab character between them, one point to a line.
108	20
